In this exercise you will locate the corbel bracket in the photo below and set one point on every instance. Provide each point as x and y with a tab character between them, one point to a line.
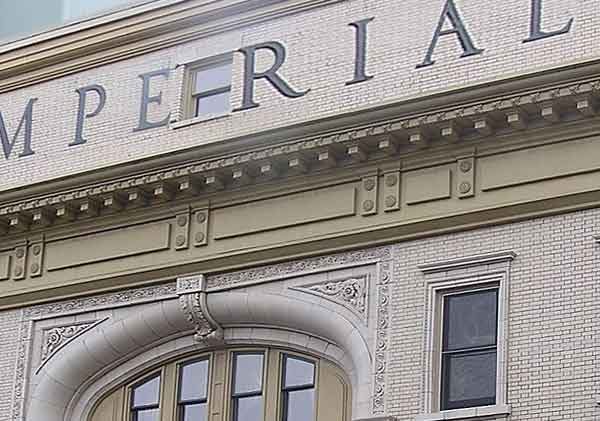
192	297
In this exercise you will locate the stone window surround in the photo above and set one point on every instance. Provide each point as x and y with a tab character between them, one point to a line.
187	345
348	351
169	373
466	273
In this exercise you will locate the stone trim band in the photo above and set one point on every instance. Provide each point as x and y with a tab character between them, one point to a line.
395	137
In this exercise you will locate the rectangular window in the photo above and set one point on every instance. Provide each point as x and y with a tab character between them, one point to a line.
145	400
469	349
247	388
192	401
298	388
211	88
465	345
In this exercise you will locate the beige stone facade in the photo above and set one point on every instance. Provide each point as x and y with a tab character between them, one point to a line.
333	227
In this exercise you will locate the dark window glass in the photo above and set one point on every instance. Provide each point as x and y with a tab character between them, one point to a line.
213	104
210	78
248	373
146	415
211	90
298	389
194	381
193	391
248	408
471	377
301	405
197	412
145	400
470	320
469	358
299	372
247	391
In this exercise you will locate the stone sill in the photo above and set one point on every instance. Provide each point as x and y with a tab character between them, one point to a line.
197	120
467	413
384	418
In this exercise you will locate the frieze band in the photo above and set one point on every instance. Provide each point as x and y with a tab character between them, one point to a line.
393	137
449	16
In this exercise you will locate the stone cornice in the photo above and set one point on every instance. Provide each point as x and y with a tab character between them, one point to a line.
465	262
398	138
125	34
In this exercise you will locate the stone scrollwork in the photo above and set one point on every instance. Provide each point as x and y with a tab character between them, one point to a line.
192	297
381	350
351	293
57	337
295	268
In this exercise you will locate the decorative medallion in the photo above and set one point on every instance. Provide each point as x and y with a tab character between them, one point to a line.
351	293
465	187
391	180
465	166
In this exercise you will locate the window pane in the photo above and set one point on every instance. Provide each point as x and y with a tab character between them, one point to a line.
147	393
147	415
214	104
195	412
194	379
470	379
218	76
301	405
470	320
298	372
249	409
248	373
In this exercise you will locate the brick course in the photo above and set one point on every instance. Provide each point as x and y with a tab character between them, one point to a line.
320	47
553	333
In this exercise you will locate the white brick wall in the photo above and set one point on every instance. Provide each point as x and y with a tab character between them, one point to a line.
554	324
554	328
9	333
320	48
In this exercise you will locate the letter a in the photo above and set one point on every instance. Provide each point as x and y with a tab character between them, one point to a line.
450	13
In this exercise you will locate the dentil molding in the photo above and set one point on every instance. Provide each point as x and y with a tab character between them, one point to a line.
393	138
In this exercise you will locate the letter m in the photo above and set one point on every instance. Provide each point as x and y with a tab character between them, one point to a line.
27	121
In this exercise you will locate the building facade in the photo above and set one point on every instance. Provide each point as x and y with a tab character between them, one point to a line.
300	210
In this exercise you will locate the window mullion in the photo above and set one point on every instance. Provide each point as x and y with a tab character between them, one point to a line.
211	92
217	385
168	397
272	383
469	350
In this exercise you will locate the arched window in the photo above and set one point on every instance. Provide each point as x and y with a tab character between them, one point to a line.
235	384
